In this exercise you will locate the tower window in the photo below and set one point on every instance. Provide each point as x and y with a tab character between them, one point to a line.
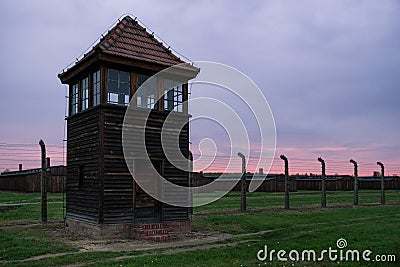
147	96
74	99
96	88
172	95
85	93
118	87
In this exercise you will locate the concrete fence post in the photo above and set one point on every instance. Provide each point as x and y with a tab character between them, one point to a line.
286	181
355	182
323	184
382	182
43	182
243	179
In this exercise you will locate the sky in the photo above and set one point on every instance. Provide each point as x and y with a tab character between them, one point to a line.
330	70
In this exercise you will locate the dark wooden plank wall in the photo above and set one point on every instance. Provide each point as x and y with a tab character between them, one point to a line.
118	183
83	149
170	172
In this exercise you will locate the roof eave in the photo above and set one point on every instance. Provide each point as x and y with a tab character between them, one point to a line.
182	69
146	65
82	64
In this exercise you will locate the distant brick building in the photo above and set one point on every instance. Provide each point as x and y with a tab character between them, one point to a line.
29	181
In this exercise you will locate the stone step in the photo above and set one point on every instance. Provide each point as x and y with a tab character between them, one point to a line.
159	238
151	226
153	231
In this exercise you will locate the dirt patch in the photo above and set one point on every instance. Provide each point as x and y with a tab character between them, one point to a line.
195	237
90	244
313	207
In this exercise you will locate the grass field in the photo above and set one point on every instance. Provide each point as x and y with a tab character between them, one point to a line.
305	226
26	207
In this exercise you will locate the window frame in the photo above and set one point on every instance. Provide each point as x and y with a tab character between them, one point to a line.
150	98
173	96
122	99
96	88
74	104
84	94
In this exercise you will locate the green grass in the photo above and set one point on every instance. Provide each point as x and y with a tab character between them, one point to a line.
24	242
366	227
31	212
8	197
84	257
257	200
30	203
373	228
259	221
27	207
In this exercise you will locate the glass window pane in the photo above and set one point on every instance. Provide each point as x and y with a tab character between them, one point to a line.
141	79
84	94
124	76
152	83
112	75
148	93
170	99
97	100
74	99
168	84
96	88
173	95
124	88
118	87
113	98
112	86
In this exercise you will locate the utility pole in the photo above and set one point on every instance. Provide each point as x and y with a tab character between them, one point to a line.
382	182
43	184
323	184
355	182
243	179
286	181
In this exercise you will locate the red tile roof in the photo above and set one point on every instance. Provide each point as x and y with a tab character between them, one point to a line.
129	39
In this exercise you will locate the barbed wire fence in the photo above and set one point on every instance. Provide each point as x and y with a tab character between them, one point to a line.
11	155
309	171
25	158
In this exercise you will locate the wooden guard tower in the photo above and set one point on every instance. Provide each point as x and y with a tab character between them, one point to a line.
102	197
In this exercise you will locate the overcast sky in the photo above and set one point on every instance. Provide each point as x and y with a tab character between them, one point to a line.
329	69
